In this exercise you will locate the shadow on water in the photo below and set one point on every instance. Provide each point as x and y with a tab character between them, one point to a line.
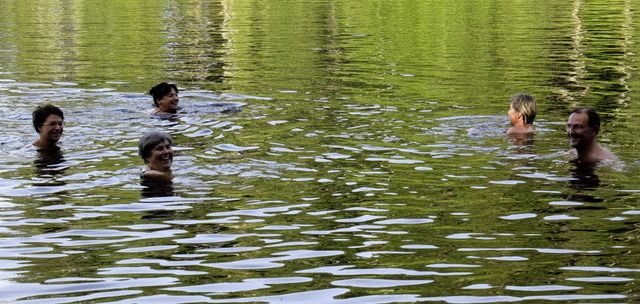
584	179
522	140
50	164
168	117
156	186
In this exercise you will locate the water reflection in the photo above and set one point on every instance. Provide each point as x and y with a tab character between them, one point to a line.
523	140
49	164
156	186
583	178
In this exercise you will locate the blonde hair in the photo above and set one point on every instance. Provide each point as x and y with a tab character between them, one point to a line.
526	106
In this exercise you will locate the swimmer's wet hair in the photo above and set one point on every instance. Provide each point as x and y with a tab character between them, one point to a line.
160	90
41	113
525	105
150	140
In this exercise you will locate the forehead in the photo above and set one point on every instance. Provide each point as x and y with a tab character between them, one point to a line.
578	119
162	143
53	117
172	91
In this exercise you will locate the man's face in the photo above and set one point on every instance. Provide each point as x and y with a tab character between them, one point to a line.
578	130
51	129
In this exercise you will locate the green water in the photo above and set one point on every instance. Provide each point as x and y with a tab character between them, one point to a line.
327	152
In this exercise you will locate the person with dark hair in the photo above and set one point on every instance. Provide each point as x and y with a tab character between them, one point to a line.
48	122
155	149
165	98
522	112
582	128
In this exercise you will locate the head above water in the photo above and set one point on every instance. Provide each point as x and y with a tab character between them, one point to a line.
161	90
149	140
40	114
593	117
525	105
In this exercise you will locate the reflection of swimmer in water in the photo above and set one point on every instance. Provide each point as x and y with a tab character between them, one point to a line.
582	128
165	98
48	121
155	186
584	176
155	149
584	180
522	112
49	162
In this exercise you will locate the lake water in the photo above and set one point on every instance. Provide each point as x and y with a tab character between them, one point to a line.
326	152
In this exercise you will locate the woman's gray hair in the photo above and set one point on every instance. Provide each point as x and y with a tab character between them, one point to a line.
150	140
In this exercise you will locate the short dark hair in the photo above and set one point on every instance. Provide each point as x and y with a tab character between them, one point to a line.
160	90
594	117
150	140
41	113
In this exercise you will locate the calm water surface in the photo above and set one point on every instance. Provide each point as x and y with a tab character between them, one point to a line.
326	152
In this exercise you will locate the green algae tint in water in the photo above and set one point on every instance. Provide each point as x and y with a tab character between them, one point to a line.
326	152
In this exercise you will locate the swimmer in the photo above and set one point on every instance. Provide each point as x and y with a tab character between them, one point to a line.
522	112
165	98
48	121
155	149
582	128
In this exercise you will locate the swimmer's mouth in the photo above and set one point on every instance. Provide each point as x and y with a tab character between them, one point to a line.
167	157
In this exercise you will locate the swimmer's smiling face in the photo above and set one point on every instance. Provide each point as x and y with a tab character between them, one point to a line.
51	130
161	157
579	132
169	102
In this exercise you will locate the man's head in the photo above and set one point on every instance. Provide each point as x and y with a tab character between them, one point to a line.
48	122
523	105
582	127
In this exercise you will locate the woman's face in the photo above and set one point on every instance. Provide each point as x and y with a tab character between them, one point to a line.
169	103
513	116
161	157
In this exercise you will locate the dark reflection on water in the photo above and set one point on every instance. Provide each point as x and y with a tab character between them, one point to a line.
50	164
156	186
583	176
523	140
585	181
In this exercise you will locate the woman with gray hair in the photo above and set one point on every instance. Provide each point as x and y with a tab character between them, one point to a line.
155	149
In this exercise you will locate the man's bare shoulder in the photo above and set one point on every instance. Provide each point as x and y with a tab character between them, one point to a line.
604	154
